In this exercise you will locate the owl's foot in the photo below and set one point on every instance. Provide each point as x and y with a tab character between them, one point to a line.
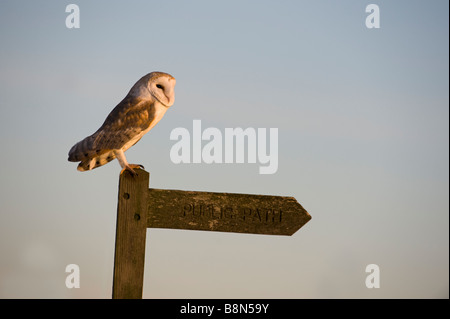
130	169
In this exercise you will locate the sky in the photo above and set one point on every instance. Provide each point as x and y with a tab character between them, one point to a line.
363	144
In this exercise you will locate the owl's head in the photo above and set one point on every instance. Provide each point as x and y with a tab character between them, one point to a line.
158	86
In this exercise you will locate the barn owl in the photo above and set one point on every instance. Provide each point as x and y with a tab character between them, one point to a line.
142	108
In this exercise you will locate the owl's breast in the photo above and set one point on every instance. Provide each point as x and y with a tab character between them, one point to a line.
155	116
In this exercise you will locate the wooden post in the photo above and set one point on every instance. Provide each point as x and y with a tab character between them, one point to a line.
139	208
131	229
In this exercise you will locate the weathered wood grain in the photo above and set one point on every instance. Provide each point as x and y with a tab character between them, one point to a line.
225	212
139	208
130	236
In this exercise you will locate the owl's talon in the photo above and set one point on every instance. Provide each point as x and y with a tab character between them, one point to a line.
136	166
130	170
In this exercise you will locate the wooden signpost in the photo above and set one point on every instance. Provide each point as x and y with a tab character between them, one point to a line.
139	208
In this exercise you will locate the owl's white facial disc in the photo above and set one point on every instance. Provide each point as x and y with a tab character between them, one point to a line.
162	87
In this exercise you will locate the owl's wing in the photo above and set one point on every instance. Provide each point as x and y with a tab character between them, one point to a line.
126	121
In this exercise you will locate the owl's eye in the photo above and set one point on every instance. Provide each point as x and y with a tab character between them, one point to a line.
159	86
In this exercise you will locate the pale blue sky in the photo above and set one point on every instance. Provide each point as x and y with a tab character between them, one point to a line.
362	116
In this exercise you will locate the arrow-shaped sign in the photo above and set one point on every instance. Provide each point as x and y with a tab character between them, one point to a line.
139	208
225	212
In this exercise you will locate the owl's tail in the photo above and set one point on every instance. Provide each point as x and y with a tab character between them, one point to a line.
96	161
88	156
82	150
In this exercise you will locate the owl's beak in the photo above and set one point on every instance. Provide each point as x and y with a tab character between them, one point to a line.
171	93
170	97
